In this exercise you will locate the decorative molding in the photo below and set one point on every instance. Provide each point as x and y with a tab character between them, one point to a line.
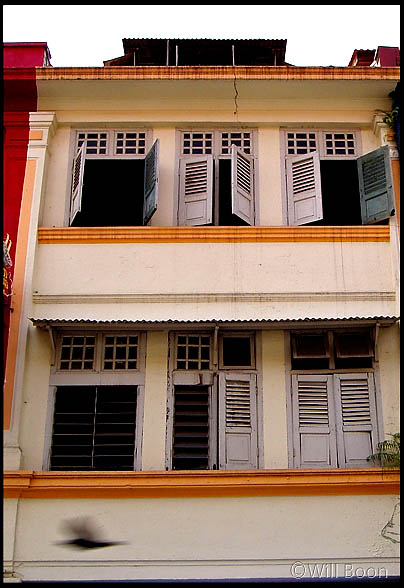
217	72
62	235
167	484
212	297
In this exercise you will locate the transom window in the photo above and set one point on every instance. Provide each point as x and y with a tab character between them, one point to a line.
84	352
193	352
113	143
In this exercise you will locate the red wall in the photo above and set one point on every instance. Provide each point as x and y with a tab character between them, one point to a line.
20	98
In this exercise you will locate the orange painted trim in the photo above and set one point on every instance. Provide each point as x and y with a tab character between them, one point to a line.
35	135
188	484
228	72
18	288
48	235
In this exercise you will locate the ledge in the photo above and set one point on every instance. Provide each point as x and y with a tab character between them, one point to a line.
51	235
184	72
189	484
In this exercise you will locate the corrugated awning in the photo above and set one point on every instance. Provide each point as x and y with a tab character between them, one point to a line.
284	323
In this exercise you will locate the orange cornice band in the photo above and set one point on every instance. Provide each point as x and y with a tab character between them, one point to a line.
166	484
263	72
211	234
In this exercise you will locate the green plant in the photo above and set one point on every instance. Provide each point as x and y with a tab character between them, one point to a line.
388	452
390	117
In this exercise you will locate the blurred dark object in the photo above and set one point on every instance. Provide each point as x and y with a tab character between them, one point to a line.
85	536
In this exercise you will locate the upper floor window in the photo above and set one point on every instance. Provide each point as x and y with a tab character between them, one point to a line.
114	178
328	182
217	177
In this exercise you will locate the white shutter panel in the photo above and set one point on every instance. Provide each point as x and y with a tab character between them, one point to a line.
196	191
242	185
151	179
304	188
238	442
77	182
314	443
375	185
356	419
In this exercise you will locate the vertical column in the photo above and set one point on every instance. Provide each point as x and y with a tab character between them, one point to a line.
42	128
274	400
155	401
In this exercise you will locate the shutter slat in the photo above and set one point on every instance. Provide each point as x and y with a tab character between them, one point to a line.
304	188
375	185
237	421
242	185
77	183
151	180
196	191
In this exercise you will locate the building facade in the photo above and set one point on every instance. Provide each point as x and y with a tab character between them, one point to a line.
207	344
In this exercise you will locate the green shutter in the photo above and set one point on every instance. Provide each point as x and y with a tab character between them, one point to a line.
151	179
375	186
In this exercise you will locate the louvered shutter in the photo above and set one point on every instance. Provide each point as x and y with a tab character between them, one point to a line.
375	186
356	418
304	188
314	443
238	443
151	180
196	191
77	182
242	185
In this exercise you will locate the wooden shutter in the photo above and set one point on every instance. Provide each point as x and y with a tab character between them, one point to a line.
77	182
375	186
314	443
238	442
242	185
196	191
356	418
151	180
304	188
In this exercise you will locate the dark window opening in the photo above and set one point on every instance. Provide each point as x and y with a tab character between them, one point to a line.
112	194
236	352
94	428
191	428
226	217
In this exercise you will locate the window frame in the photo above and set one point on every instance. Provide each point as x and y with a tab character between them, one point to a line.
319	133
111	133
216	155
372	372
97	378
210	378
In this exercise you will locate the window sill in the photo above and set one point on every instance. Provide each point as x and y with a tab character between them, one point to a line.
168	484
50	235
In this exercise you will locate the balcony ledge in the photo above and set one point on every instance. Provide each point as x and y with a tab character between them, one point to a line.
190	484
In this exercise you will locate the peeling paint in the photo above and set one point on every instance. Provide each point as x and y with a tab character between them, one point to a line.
391	530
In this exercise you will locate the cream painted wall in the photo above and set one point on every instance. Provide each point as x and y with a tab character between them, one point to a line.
207	537
274	400
155	401
36	406
389	370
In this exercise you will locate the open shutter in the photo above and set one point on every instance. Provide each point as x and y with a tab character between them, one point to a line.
356	419
304	189
314	443
77	182
375	186
238	443
242	185
196	191
151	180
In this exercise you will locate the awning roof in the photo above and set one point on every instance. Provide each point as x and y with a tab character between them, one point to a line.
284	323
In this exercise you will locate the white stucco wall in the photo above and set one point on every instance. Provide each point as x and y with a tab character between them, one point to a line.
209	537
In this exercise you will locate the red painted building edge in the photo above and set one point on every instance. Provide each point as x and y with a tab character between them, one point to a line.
20	98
